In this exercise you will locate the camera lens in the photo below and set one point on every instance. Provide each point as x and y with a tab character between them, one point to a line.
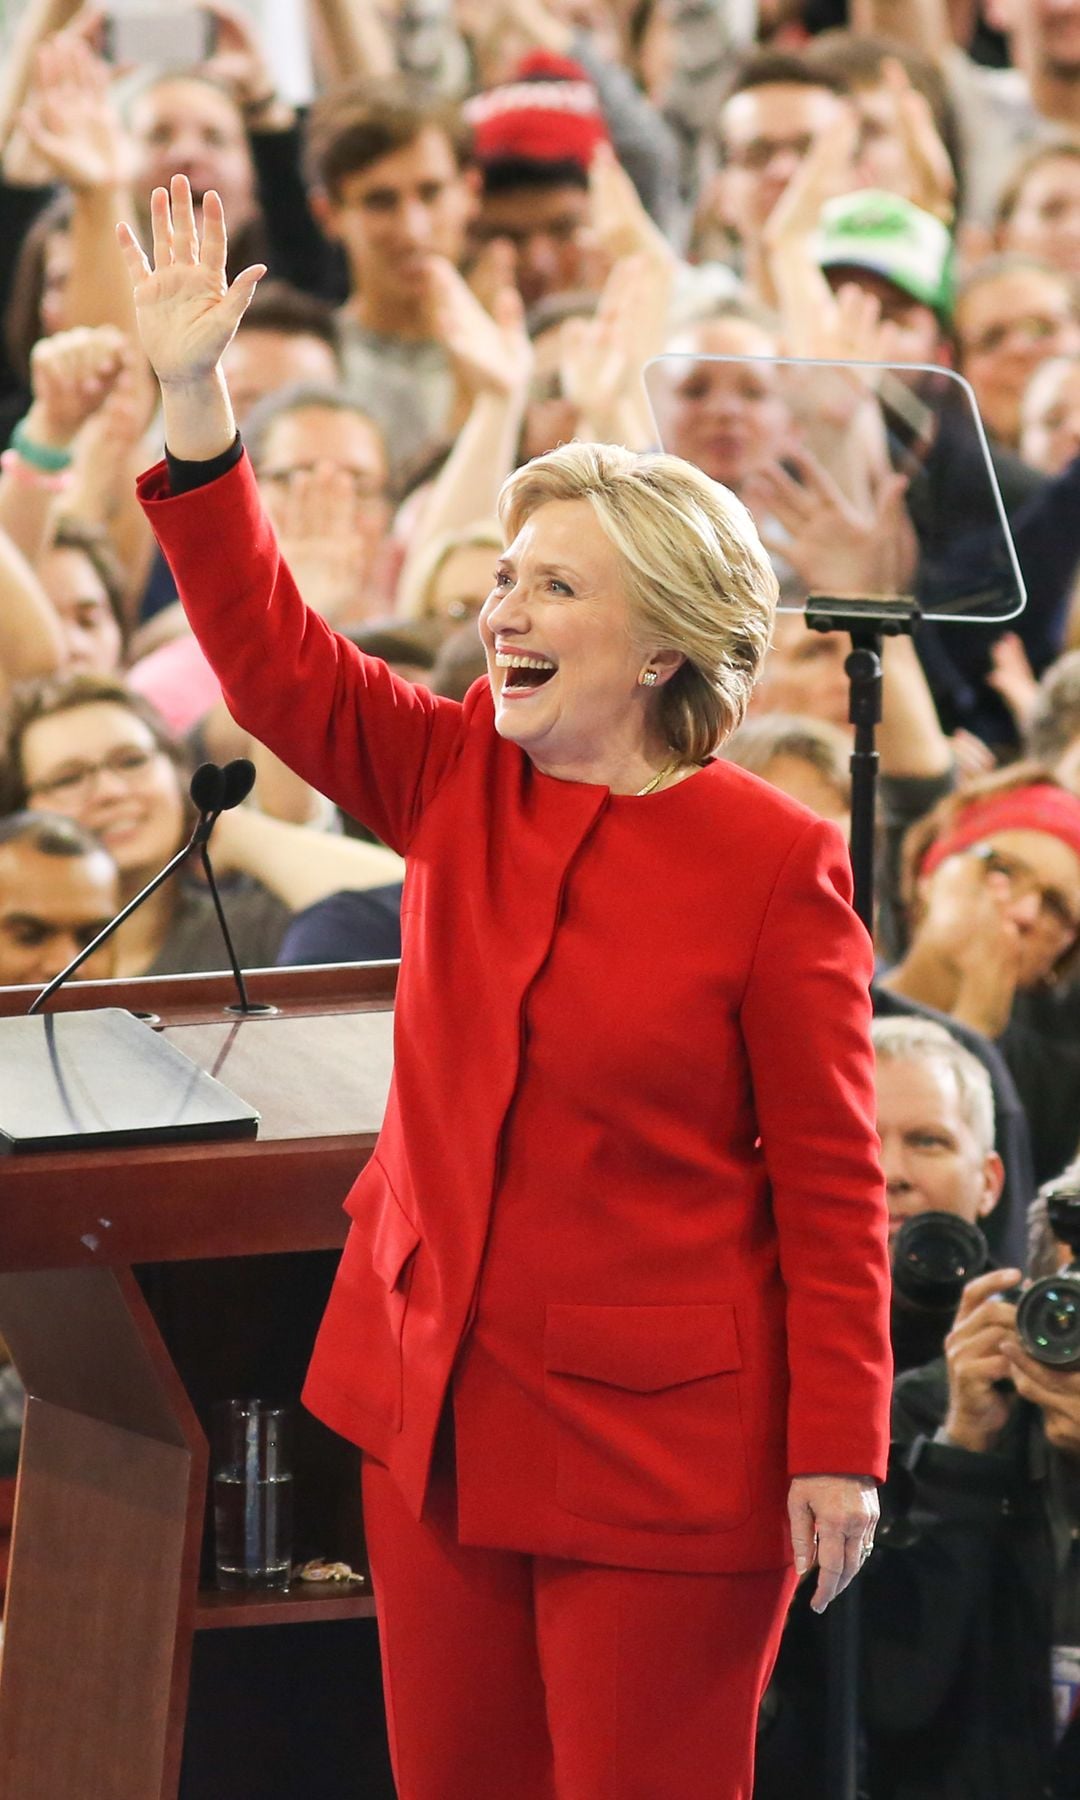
1048	1321
935	1255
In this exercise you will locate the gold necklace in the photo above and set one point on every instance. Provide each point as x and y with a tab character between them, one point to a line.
658	780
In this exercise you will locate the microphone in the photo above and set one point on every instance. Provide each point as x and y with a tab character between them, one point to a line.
209	789
234	783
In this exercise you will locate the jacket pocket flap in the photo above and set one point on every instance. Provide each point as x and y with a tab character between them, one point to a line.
394	1240
644	1348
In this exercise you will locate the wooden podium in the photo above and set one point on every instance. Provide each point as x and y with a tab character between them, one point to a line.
129	1299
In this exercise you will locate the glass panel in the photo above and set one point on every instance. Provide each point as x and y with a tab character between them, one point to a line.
867	481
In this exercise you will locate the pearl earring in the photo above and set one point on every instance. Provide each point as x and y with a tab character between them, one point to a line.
647	678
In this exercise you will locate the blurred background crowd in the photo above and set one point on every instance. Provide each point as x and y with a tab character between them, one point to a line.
482	219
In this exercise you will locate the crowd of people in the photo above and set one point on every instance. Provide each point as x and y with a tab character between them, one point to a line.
502	225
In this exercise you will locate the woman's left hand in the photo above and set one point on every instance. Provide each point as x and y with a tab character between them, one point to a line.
833	1520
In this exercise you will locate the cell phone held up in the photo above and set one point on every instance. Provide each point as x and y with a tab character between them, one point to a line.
160	37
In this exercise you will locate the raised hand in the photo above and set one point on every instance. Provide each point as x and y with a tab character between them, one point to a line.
836	546
328	534
72	374
186	311
240	63
69	120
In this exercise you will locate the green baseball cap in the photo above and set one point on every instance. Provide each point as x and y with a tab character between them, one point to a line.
890	237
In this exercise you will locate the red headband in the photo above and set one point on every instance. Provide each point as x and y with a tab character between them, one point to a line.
1038	808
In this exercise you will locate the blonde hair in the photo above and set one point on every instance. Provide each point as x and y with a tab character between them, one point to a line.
696	576
417	591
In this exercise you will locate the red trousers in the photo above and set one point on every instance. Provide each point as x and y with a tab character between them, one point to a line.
515	1677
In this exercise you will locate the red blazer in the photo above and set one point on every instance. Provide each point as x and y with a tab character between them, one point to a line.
625	1208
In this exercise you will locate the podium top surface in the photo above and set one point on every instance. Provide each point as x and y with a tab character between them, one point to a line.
317	1072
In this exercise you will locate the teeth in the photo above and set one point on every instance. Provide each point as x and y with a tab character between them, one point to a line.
503	660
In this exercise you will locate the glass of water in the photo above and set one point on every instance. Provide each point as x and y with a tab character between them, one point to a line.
253	1490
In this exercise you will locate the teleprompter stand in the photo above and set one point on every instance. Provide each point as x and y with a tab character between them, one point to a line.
868	623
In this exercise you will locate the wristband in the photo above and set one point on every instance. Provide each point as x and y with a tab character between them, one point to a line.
39	456
15	463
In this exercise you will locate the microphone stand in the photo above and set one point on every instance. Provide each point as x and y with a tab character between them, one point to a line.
246	1008
198	836
868	623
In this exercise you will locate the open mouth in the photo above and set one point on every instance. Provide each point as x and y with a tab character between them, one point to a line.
523	674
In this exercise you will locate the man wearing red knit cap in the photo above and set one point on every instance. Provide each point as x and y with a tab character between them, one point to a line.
533	140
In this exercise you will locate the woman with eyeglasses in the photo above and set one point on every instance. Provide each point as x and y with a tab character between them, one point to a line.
86	747
991	885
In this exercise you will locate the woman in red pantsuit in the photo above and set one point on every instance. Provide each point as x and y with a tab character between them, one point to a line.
610	1324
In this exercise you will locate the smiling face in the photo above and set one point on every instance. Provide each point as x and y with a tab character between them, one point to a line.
403	208
728	418
930	1154
99	764
562	658
1039	878
51	907
1006	326
91	633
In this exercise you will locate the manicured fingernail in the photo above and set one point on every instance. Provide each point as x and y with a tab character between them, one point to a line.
800	1565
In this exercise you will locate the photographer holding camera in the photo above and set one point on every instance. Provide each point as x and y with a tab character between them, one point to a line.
943	1175
971	1640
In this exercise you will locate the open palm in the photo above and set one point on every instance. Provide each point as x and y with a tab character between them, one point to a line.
186	310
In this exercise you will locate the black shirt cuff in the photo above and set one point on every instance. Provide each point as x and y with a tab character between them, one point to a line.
185	476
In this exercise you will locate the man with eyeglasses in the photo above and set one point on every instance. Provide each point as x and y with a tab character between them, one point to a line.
776	108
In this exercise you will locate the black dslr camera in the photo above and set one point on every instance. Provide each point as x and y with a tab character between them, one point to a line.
935	1255
1048	1312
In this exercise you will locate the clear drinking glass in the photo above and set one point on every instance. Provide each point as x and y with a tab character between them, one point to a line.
253	1491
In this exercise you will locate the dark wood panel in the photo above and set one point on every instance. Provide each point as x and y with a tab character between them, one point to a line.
310	1604
90	1629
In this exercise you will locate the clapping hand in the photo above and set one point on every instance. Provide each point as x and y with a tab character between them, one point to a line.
601	358
490	350
931	177
186	311
620	223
